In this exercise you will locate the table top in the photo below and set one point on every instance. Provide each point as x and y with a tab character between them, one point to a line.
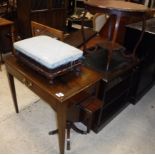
150	26
117	5
68	85
4	22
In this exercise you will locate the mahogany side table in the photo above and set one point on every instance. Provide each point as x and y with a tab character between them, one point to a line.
60	95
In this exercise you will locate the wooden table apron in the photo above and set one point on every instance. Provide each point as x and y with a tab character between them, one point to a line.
47	92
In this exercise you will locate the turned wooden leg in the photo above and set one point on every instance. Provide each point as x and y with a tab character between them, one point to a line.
13	91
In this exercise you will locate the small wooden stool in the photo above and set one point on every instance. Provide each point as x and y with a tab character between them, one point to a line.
88	110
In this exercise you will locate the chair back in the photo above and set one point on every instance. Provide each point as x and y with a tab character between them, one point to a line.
40	29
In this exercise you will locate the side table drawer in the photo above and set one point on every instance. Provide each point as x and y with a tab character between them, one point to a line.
36	88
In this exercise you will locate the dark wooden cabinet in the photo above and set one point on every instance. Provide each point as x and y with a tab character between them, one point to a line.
6	38
48	12
114	86
114	94
144	76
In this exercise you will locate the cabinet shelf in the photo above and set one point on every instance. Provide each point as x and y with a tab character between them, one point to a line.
110	112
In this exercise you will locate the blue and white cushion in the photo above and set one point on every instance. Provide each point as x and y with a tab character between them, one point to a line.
48	51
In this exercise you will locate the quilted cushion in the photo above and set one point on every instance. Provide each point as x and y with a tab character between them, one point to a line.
48	51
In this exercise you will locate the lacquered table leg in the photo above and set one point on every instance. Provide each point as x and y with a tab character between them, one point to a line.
13	91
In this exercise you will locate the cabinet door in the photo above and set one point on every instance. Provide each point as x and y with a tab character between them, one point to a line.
48	12
23	18
47	4
59	3
39	4
52	13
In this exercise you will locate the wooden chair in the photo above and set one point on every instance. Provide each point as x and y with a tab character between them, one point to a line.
40	29
76	39
99	20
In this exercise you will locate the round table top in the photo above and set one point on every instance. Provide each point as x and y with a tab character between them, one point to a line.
117	5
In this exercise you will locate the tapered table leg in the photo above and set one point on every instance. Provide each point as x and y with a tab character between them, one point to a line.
61	119
13	91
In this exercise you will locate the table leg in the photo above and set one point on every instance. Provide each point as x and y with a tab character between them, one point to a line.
13	91
117	24
61	120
